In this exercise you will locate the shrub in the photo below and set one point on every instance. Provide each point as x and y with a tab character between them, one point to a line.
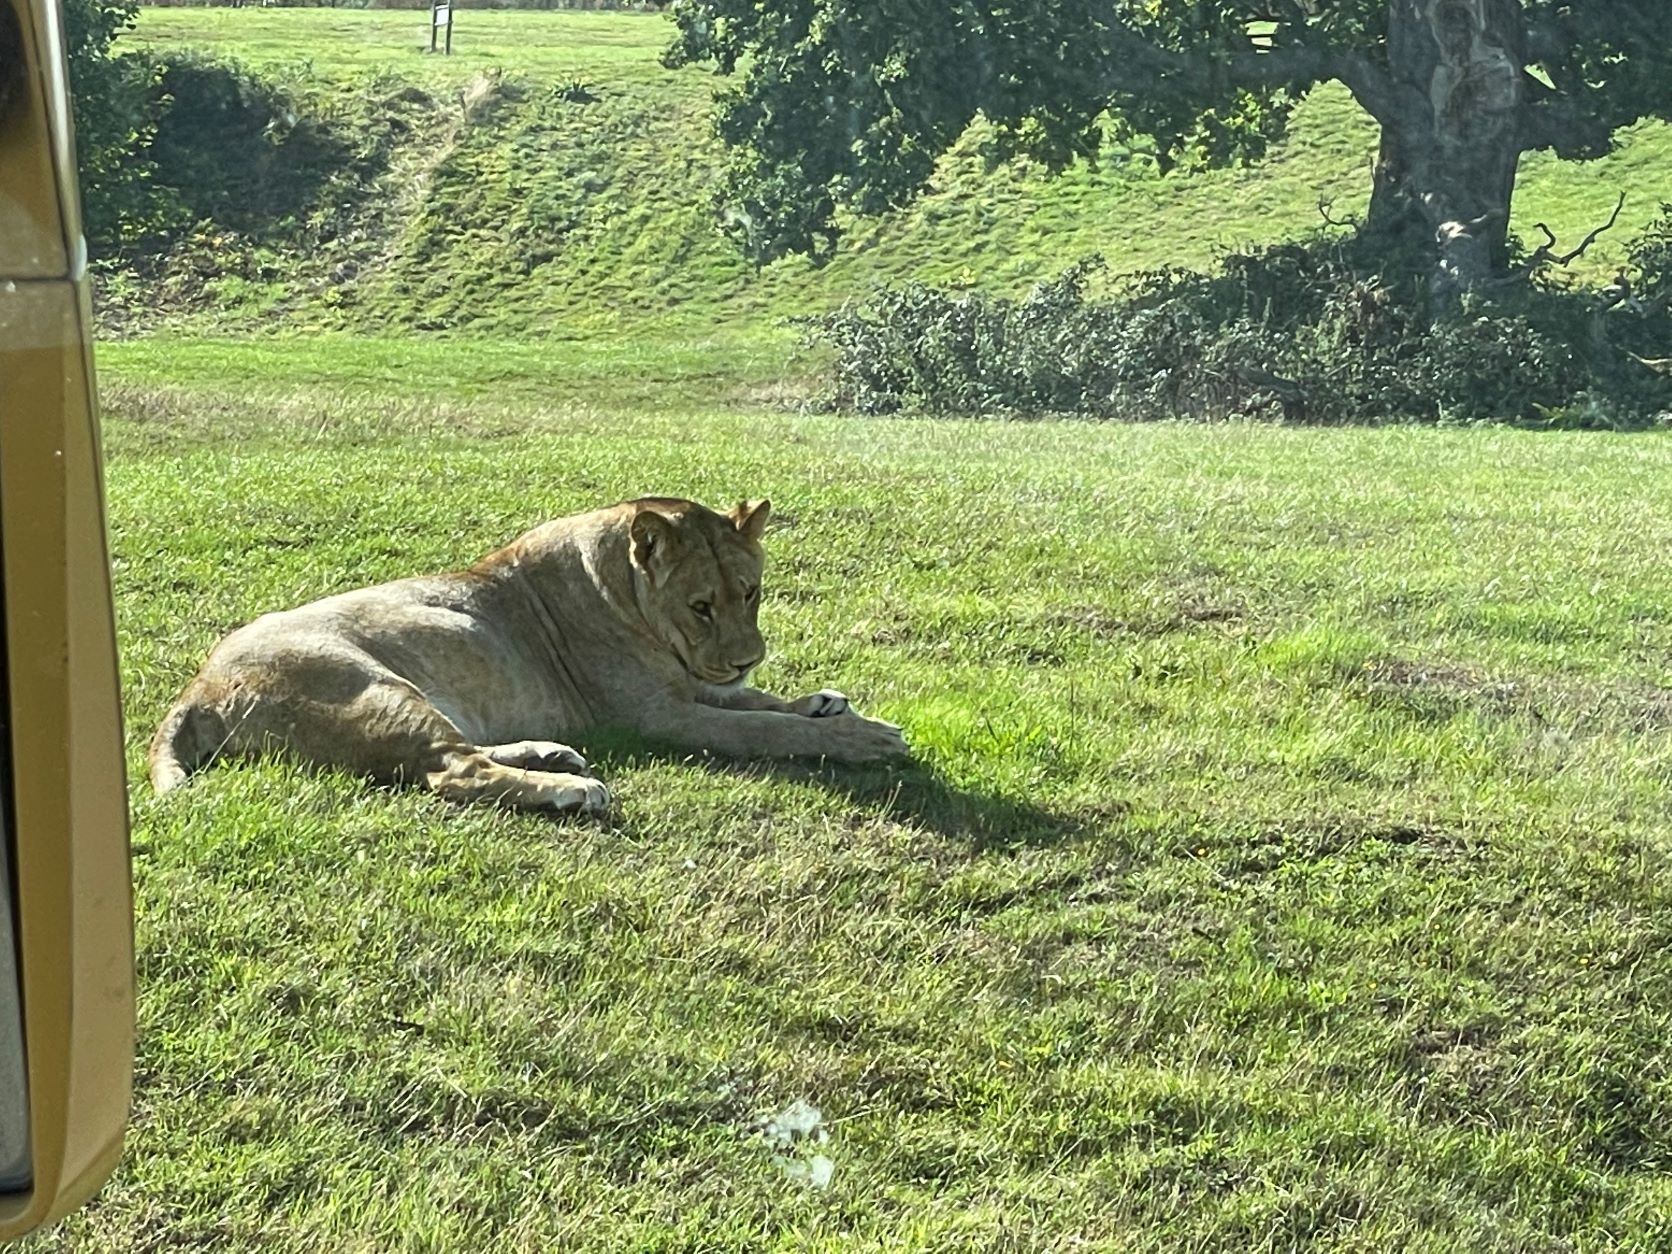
1650	258
117	103
1303	332
236	150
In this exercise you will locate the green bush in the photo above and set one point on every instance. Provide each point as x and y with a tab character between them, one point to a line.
1650	257
266	191
117	103
1303	332
171	146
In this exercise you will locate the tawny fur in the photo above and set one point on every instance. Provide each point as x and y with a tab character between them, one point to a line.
640	616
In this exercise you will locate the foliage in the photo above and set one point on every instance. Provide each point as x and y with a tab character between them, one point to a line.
180	147
846	104
117	104
1650	257
1306	332
272	187
235	149
546	217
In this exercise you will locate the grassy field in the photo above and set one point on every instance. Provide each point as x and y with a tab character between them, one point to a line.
1284	862
1285	858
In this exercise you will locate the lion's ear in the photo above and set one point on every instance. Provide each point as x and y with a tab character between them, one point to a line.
652	542
749	517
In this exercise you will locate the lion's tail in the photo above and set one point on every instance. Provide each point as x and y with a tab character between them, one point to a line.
190	736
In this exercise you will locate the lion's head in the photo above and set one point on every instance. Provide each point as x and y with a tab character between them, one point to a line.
700	583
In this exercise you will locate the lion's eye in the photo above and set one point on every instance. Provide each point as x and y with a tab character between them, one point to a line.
703	610
752	595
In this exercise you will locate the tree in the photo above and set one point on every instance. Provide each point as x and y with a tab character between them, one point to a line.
848	103
116	107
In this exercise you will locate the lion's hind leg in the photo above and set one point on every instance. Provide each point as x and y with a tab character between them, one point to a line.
415	741
337	712
473	776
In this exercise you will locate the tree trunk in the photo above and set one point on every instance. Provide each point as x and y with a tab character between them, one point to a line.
1453	136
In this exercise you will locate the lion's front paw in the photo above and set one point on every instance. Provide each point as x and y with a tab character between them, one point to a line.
825	703
858	739
539	755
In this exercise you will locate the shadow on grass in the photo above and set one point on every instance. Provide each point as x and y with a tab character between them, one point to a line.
910	793
237	151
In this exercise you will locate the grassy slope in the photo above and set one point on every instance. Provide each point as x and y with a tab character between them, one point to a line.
1286	862
513	210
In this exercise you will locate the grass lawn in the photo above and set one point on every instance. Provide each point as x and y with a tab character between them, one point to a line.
337	41
1284	862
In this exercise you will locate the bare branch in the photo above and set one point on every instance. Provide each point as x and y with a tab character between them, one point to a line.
1545	254
1324	203
1589	239
1619	295
1616	294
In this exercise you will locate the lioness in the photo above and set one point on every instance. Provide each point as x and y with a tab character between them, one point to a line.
640	616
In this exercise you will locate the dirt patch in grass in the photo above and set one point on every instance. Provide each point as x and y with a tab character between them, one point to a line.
787	394
1335	836
1638	708
1436	691
1439	691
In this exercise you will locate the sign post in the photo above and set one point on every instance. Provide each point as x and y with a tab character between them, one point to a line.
441	18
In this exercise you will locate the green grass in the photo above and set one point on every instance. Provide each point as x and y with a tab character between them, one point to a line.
1284	863
726	365
340	41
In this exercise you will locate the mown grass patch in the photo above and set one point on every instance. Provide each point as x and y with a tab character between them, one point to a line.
1284	862
349	381
344	41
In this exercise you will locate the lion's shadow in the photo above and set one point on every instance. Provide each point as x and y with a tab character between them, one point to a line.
912	793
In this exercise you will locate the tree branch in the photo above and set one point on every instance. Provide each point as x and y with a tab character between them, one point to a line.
1553	122
1257	67
1545	253
1589	239
1324	206
1619	295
